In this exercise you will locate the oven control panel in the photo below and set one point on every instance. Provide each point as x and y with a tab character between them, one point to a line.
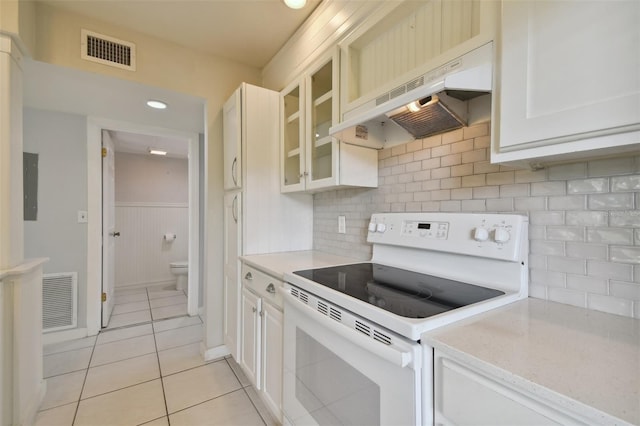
424	229
499	236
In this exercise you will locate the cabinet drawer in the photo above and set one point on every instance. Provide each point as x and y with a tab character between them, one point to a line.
262	284
466	397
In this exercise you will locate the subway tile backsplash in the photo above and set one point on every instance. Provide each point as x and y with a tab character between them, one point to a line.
584	217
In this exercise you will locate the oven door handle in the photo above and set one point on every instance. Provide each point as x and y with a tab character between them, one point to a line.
391	353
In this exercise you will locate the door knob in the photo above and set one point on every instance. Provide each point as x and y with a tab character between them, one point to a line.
115	234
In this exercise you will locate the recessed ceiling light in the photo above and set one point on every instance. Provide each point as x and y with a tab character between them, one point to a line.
157	152
156	104
295	4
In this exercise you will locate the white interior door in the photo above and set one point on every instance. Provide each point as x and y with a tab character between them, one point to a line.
109	233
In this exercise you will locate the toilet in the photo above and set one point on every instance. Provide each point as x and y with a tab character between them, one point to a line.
181	271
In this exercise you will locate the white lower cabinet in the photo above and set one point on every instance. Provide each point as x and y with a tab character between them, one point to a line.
271	386
465	396
250	347
262	322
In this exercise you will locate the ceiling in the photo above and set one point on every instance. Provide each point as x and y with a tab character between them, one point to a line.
55	88
247	31
134	143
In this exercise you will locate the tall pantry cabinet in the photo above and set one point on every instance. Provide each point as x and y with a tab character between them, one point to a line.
257	217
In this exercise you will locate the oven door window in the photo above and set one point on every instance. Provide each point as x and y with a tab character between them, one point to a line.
332	391
329	380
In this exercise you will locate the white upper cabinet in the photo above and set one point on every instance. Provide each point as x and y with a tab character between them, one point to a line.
403	40
569	84
292	135
322	111
232	134
310	158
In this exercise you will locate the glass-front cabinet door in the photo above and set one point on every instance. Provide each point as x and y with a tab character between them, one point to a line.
292	146
309	108
322	112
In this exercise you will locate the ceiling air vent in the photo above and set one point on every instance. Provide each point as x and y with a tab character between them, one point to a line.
108	50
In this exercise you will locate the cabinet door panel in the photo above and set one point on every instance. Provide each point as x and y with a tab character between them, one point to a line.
292	144
467	399
311	159
564	76
232	136
463	396
232	210
231	315
250	350
272	358
231	279
322	112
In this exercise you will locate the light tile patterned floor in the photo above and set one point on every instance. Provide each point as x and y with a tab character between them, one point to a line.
136	306
151	374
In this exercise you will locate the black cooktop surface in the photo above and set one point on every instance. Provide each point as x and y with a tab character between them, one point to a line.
405	293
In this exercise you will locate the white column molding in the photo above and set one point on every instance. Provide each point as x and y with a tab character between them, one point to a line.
11	203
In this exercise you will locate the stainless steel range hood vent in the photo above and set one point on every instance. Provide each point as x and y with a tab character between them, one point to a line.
444	99
431	116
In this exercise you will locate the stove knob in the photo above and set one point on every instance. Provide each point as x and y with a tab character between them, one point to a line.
501	235
372	227
480	234
381	228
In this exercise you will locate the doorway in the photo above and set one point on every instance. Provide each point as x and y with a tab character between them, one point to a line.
96	315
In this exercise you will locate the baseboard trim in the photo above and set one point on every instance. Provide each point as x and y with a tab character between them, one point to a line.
213	353
64	335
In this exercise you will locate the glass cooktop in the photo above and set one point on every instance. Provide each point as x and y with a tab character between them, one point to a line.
405	293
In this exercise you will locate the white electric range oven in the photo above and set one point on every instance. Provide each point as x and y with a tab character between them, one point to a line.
352	333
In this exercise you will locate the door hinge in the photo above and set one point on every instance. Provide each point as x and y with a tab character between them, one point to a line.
104	297
104	152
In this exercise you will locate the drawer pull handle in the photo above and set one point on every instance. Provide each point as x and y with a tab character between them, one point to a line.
248	276
271	288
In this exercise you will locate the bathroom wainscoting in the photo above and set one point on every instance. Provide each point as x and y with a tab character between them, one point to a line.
142	253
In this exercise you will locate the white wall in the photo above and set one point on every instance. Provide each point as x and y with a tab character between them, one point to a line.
60	141
151	179
151	200
142	255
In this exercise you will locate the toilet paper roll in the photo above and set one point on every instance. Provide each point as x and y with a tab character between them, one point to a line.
169	237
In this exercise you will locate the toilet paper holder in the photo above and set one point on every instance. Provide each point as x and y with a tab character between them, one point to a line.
169	237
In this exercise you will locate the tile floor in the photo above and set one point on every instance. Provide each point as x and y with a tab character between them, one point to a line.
135	306
150	373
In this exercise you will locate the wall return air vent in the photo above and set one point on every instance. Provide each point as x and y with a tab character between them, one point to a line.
59	301
108	50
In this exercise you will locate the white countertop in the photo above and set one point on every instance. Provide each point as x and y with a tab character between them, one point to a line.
277	264
583	360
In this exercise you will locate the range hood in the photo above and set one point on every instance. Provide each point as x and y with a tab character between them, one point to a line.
438	101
